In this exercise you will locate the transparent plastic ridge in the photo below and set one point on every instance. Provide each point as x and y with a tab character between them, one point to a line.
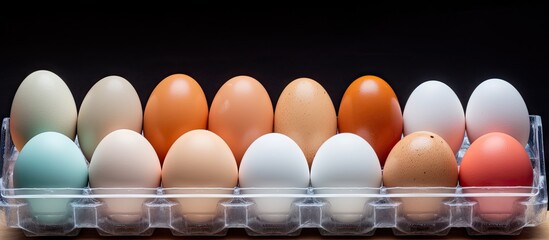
284	212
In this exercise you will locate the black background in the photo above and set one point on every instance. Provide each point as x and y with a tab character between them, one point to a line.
459	44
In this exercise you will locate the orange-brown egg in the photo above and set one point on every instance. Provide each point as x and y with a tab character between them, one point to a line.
370	108
176	105
421	159
241	112
305	113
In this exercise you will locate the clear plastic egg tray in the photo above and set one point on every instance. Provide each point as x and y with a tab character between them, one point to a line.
307	208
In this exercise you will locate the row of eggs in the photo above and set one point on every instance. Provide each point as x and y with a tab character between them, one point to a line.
241	111
178	142
273	164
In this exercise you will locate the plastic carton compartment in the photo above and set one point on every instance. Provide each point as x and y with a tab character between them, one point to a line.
280	212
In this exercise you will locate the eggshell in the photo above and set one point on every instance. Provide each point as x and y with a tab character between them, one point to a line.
124	159
305	113
241	111
273	163
433	106
43	102
176	105
496	106
50	160
496	159
199	159
346	163
112	103
370	108
421	159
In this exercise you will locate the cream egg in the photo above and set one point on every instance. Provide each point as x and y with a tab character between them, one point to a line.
124	162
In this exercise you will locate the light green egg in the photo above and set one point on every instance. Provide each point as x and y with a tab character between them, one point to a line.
50	160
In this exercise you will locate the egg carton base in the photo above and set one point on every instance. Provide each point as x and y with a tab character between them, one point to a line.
302	216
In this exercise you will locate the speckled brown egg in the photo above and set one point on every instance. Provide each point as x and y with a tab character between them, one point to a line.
305	113
421	159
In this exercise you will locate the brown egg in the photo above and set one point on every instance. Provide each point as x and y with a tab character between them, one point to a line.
421	159
305	113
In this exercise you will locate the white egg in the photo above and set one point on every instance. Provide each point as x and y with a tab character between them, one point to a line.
346	160
274	160
433	106
496	106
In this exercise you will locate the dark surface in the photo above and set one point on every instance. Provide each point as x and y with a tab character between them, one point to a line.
404	44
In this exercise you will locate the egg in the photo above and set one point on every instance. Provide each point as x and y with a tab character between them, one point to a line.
496	106
273	164
496	159
50	160
305	113
241	111
176	105
112	103
43	102
346	164
421	159
433	106
124	159
202	160
370	108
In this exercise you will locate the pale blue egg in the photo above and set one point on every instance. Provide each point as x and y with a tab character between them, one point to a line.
50	160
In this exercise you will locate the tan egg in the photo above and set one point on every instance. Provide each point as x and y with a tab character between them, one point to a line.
305	113
199	159
421	159
112	103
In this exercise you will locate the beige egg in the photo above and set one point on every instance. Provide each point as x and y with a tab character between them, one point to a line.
42	103
421	159
124	160
305	113
112	103
199	159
